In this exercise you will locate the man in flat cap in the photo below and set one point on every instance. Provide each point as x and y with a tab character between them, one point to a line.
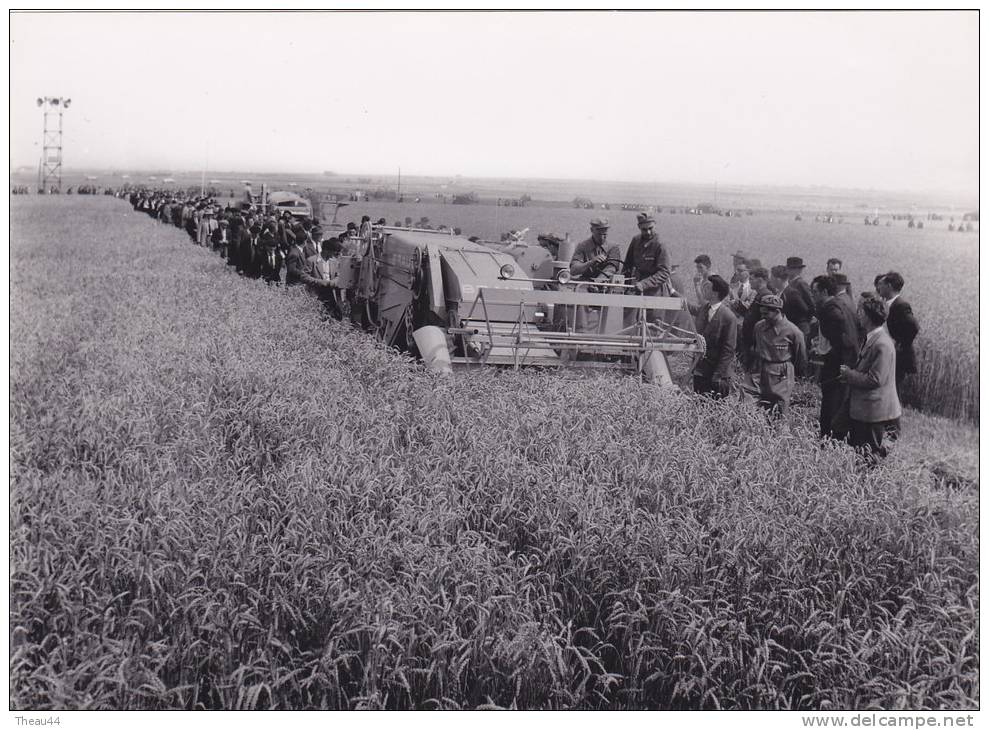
594	261
781	351
647	266
749	385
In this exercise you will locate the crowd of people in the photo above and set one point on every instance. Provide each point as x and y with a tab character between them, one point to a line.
276	247
763	327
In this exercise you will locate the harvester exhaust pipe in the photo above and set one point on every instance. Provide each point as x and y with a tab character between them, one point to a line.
431	342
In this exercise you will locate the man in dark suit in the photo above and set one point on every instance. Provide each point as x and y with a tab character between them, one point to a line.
719	326
902	325
296	264
844	289
873	403
903	328
838	344
798	301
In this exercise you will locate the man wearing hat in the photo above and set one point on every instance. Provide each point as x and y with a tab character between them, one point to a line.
749	386
780	350
220	237
647	266
322	277
207	224
742	291
844	289
798	300
837	345
593	259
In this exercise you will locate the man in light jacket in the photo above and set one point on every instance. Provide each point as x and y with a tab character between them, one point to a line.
873	402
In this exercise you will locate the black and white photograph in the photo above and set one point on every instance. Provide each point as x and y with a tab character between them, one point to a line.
550	360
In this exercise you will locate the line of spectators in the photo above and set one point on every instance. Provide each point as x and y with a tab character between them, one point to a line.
273	247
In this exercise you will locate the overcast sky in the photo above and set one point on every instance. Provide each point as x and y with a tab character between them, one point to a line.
882	100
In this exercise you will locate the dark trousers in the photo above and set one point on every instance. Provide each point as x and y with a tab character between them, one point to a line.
331	303
705	385
834	399
868	438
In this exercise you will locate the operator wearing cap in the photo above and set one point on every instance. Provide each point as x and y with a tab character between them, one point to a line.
594	259
647	264
780	351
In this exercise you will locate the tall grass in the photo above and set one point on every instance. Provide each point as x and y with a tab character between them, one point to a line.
219	501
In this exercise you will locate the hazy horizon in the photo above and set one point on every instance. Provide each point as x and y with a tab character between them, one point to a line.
942	196
873	101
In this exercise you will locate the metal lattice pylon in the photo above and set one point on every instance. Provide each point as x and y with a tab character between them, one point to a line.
50	169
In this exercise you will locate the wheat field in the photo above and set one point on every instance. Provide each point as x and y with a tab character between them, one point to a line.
218	500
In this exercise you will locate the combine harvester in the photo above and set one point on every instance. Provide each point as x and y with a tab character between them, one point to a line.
455	302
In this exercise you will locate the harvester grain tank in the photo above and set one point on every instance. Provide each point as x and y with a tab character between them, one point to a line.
513	305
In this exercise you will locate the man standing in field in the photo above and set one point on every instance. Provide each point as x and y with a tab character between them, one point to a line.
873	403
647	266
742	292
839	347
778	280
719	327
781	351
844	289
746	341
903	328
798	301
702	287
322	277
295	263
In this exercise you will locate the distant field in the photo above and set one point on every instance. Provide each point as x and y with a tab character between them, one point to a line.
218	501
851	203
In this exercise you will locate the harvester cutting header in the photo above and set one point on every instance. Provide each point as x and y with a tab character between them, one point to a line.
455	301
